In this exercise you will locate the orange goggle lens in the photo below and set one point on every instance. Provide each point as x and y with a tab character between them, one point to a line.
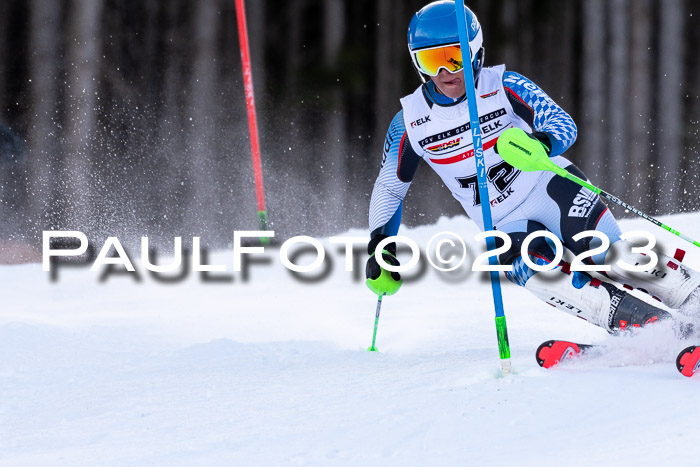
431	60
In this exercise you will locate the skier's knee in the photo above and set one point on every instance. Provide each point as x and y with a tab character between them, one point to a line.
608	226
521	272
540	252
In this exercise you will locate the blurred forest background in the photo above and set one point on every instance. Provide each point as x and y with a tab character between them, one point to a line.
131	114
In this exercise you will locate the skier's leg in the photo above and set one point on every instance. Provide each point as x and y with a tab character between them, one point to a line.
569	209
669	280
576	293
598	302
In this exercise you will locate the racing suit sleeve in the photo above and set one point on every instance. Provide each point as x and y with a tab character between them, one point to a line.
399	165
549	122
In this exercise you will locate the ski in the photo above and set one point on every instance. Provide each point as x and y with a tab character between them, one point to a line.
552	352
688	361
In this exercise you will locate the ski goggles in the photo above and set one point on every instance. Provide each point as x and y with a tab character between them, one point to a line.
429	61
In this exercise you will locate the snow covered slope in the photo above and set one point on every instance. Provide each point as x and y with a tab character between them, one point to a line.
273	371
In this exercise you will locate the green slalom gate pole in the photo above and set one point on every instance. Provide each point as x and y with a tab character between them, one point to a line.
376	324
501	328
533	161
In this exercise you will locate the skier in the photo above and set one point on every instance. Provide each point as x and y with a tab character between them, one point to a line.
433	126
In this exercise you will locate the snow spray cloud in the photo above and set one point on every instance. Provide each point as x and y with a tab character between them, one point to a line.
445	252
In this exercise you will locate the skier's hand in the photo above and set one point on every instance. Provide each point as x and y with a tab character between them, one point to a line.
515	144
379	280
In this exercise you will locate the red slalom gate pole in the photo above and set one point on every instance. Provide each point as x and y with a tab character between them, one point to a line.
252	119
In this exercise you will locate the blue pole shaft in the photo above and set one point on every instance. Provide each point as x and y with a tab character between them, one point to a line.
503	345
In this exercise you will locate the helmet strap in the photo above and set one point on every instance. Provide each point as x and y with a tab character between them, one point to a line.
423	77
479	64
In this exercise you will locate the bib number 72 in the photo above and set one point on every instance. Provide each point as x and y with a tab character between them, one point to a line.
500	175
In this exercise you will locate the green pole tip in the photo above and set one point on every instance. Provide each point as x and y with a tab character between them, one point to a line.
262	218
372	349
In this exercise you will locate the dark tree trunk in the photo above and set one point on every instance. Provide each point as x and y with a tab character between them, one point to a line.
617	109
43	133
203	176
593	99
641	102
670	104
83	57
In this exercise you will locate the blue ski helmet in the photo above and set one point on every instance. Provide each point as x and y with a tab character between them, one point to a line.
435	25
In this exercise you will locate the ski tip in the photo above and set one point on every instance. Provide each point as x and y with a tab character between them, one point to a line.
552	352
688	361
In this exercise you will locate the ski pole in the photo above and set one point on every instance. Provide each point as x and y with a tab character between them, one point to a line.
532	161
501	328
376	323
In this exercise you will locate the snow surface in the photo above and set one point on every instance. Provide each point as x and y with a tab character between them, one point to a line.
273	371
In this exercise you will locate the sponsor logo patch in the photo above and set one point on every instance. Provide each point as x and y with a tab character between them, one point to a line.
463	156
559	303
491	127
615	300
453	132
444	146
502	198
420	121
583	203
526	84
